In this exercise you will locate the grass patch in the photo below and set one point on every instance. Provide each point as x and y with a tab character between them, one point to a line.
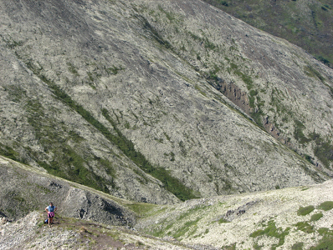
72	69
302	211
246	79
230	247
141	209
185	228
323	231
114	70
309	71
257	117
298	132
327	205
77	172
323	150
222	220
9	152
305	227
200	90
326	243
316	217
153	32
272	231
297	246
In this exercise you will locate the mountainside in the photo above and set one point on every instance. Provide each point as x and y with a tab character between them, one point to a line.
69	233
25	189
290	218
306	23
160	101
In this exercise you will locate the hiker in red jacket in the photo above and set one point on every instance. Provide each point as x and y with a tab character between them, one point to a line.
50	213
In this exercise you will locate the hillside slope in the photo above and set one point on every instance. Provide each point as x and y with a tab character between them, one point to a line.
69	233
24	189
151	100
291	218
306	23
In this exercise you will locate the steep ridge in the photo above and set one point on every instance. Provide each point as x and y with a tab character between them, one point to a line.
127	97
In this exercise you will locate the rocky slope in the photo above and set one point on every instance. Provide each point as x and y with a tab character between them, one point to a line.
24	189
292	218
306	23
68	233
152	100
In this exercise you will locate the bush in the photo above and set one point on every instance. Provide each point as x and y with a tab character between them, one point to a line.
302	211
298	246
272	231
305	227
327	205
316	217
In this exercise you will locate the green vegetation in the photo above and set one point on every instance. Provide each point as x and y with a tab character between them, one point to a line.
169	15
246	78
77	172
9	152
114	70
305	227
127	147
191	212
253	93
257	117
230	247
154	33
82	175
298	132
302	211
323	150
310	71
298	246
327	205
72	69
200	90
316	217
222	220
326	242
323	231
141	209
272	231
186	227
323	60
306	25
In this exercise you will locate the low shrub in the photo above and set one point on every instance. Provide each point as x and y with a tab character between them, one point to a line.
327	205
302	211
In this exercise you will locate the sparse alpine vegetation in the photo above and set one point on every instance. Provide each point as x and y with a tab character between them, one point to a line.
305	23
157	103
